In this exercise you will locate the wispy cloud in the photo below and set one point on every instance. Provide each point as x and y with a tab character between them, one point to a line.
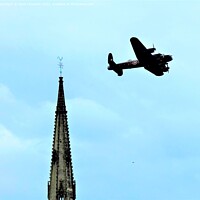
10	143
6	95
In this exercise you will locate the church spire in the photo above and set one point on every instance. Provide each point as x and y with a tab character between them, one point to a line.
61	97
61	185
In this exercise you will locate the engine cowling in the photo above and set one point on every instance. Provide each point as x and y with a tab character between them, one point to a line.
151	50
167	58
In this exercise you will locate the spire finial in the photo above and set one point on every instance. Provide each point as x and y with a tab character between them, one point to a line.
60	64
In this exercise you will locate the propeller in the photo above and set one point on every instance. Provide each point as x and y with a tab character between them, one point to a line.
167	67
154	47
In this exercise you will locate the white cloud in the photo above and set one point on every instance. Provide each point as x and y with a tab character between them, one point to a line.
87	108
11	143
93	120
23	162
6	95
26	120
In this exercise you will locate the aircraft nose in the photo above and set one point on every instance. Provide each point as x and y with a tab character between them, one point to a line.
168	58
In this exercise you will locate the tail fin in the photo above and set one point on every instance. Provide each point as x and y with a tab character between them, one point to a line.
110	59
113	65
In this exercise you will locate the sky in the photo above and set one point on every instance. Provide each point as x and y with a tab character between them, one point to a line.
113	121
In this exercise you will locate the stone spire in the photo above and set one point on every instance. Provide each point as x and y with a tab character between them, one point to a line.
61	185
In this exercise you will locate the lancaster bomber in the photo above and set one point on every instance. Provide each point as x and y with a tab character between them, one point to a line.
155	63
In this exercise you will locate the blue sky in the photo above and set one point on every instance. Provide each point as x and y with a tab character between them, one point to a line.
113	121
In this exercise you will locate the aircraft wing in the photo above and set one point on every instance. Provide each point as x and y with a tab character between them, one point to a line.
152	63
143	55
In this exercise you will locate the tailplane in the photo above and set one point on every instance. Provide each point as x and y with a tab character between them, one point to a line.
113	66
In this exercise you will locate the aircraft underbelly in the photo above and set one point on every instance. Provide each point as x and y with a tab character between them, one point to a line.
154	70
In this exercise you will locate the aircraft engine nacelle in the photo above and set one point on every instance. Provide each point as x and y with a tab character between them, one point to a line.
151	50
167	58
166	69
159	57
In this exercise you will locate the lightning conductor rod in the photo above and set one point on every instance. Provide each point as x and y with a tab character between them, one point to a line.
60	64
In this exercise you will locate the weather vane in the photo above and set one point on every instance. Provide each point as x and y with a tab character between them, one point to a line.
60	64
